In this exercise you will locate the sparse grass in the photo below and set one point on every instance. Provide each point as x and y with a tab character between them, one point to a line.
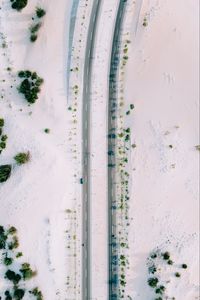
14	244
22	158
145	23
19	254
37	293
12	230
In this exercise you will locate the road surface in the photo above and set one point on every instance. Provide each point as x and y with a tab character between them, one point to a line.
86	287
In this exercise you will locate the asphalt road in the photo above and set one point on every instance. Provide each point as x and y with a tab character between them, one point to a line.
112	218
86	266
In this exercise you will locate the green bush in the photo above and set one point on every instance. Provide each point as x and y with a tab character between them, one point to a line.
4	138
152	269
12	276
5	172
8	295
33	37
1	122
2	145
40	12
47	130
33	31
27	272
30	86
19	4
160	290
35	28
8	261
152	282
12	230
19	254
14	244
19	294
184	266
22	157
166	255
3	238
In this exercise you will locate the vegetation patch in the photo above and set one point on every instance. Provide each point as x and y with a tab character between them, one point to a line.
157	263
22	158
3	137
30	85
18	4
47	130
16	288
34	31
40	12
145	23
5	172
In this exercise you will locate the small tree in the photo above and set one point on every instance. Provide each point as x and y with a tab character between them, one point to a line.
36	292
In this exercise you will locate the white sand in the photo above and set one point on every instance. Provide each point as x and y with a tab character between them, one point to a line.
36	195
162	82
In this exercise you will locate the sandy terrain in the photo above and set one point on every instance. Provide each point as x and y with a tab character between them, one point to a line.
161	79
